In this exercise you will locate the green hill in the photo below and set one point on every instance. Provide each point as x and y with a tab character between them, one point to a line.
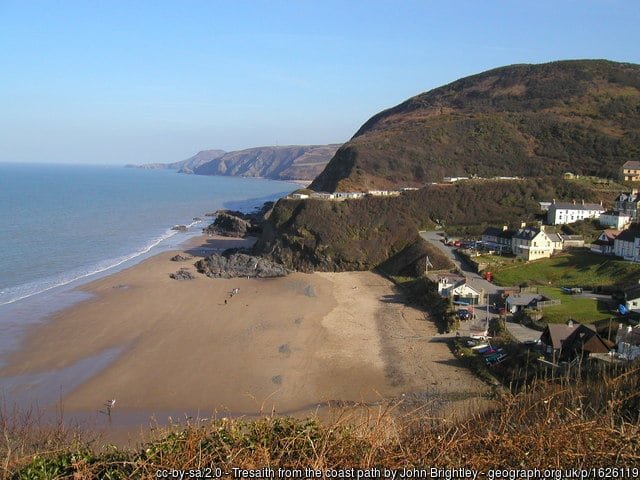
581	116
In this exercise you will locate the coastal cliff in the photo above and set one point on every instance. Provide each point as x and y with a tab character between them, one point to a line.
294	162
297	162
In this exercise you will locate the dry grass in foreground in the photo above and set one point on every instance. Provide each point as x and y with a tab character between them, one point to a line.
564	424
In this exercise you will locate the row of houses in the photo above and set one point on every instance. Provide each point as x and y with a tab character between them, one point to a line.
350	195
529	243
625	210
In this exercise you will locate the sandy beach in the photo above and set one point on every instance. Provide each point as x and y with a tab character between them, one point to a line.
287	344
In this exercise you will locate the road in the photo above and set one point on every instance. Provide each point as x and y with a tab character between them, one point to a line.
519	332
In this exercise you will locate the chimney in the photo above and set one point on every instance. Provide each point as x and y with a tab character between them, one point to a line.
542	227
505	228
574	201
583	201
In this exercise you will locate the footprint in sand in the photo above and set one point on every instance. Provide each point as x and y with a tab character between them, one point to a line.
285	349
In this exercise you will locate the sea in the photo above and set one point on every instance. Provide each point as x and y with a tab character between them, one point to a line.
65	225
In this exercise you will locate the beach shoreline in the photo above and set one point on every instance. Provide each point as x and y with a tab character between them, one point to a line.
162	347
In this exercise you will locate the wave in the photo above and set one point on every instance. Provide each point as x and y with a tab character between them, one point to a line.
21	292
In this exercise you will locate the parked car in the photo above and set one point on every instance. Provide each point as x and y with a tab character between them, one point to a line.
463	314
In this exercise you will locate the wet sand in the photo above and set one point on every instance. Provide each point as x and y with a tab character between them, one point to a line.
285	345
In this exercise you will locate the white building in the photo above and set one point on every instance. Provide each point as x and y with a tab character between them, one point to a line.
348	195
627	245
561	213
617	220
383	193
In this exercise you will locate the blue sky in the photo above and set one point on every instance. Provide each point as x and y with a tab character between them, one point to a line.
156	81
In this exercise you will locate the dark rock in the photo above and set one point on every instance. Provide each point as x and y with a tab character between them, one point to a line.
228	225
182	274
239	265
179	228
180	258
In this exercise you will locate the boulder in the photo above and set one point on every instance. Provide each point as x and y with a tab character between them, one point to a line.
182	274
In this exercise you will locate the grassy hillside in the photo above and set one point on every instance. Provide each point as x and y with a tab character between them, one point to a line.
579	116
361	234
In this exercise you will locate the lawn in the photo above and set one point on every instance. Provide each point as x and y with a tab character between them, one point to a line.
582	309
578	268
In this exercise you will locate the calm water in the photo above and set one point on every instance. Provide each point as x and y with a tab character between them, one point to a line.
61	225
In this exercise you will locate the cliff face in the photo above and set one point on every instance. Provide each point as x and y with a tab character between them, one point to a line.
278	163
184	166
520	120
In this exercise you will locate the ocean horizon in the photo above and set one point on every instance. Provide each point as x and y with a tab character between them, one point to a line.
65	225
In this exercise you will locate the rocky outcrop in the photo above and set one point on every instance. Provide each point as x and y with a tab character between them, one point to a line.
182	274
228	225
179	228
239	265
180	258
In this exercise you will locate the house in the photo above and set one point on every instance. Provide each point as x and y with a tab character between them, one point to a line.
322	195
531	243
604	242
566	342
631	171
628	342
454	179
561	213
632	298
617	220
348	195
498	238
383	193
456	288
299	196
544	206
517	302
627	204
627	244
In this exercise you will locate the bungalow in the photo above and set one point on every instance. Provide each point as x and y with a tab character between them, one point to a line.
299	196
519	301
604	243
383	193
348	195
628	342
322	195
563	213
616	220
627	244
566	342
530	243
